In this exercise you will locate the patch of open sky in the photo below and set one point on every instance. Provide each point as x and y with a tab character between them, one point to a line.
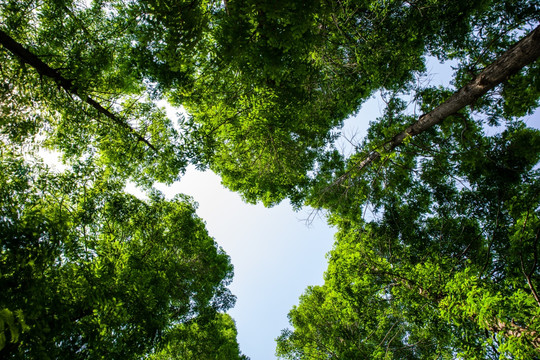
275	255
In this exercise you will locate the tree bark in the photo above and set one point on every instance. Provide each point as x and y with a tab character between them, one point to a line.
43	69
523	53
514	330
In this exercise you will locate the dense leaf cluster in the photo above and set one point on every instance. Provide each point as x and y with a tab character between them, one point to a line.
96	272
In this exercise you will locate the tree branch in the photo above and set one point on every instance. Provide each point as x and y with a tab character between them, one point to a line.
43	69
515	330
523	53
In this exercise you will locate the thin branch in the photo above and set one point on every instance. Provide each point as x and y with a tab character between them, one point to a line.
43	69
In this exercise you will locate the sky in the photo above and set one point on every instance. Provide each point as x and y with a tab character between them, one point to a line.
275	254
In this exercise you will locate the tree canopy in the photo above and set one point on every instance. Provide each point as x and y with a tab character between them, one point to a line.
93	272
278	85
448	264
437	209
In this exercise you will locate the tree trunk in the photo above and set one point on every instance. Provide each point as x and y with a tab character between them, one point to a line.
523	53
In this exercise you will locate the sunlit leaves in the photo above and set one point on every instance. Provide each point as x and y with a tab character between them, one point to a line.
212	336
436	247
91	49
96	272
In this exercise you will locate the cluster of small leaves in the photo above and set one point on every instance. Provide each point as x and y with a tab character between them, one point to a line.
209	337
95	272
11	326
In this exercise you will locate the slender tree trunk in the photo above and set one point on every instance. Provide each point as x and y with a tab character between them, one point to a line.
523	53
43	69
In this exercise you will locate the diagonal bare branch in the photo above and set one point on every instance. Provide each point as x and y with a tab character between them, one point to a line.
43	69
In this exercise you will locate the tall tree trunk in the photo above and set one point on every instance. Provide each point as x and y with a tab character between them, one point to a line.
523	53
43	69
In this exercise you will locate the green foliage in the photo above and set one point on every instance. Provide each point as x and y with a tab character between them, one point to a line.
95	272
266	84
437	246
445	265
91	46
279	79
11	325
209	337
